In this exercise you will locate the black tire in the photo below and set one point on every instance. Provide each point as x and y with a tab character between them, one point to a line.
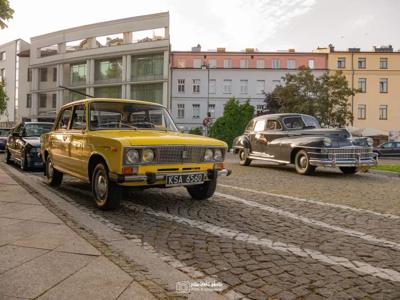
243	157
302	163
23	163
348	170
54	177
107	195
203	191
8	157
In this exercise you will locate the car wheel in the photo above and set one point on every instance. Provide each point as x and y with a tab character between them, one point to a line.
107	194
243	159
302	163
8	157
203	191
348	170
23	162
54	177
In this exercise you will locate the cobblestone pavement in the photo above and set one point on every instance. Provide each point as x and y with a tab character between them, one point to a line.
269	232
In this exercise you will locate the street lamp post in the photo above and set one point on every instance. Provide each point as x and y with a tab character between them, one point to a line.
206	66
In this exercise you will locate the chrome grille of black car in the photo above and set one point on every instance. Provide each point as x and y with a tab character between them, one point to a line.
349	153
180	154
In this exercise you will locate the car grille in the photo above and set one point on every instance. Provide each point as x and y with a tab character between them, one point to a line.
180	154
348	153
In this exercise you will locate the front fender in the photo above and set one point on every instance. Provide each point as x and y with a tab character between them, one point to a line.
241	142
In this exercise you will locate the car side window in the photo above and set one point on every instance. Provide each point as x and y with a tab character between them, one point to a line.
249	126
64	119
273	125
387	145
79	118
260	126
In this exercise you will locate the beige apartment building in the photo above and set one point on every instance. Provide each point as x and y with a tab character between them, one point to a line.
376	74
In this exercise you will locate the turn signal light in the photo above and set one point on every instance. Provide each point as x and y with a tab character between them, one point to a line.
219	166
129	170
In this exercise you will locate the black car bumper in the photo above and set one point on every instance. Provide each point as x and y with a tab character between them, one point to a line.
34	160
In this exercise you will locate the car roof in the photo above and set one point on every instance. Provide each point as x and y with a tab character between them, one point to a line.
280	115
90	100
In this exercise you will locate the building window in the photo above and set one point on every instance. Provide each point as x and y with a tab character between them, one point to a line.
212	86
110	92
362	111
362	85
244	86
341	63
227	86
259	109
2	75
227	63
181	63
196	86
212	63
28	101
244	63
147	67
383	85
152	92
260	64
181	85
291	64
181	111
54	74
196	111
260	86
311	63
78	73
211	110
29	75
2	55
276	82
54	101
197	63
276	64
109	70
42	100
43	74
383	63
362	63
383	112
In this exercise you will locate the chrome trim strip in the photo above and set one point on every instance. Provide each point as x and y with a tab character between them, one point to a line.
269	159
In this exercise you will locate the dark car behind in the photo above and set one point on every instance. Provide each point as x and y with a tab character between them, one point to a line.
4	132
388	149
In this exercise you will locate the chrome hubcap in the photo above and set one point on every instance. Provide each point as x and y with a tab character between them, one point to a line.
303	161
242	155
50	169
101	186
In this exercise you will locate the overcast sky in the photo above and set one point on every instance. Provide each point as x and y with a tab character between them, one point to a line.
268	25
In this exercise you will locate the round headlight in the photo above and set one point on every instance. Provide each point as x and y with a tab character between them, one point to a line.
208	155
327	142
132	156
370	142
147	155
218	154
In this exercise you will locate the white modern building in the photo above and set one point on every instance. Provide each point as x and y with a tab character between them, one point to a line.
13	72
203	81
125	58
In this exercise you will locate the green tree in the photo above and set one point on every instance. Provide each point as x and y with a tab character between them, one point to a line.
3	98
233	122
325	97
6	13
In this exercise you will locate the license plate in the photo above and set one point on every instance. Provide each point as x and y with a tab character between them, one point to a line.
184	179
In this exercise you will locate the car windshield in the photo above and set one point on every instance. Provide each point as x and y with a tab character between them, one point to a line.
129	116
301	122
37	129
4	132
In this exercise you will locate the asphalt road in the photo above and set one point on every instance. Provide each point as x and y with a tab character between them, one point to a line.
269	232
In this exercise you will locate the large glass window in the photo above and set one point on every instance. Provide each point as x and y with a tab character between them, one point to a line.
148	92
383	85
341	63
362	63
42	100
362	85
383	112
196	111
181	111
149	67
227	86
244	86
383	63
362	111
108	70
291	64
108	92
79	118
78	73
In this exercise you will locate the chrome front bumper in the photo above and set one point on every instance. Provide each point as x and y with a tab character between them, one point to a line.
152	178
344	163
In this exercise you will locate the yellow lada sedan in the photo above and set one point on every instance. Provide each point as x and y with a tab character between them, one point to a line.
116	143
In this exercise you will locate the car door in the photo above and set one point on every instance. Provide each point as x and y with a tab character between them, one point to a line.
59	140
273	132
77	162
397	149
386	149
257	139
11	143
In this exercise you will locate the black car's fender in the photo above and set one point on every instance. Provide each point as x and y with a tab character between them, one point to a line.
291	145
241	142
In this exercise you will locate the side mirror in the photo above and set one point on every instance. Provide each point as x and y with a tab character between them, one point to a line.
181	129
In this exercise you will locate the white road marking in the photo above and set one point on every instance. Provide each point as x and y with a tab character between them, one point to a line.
361	210
358	266
346	231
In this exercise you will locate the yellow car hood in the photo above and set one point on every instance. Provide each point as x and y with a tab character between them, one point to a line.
155	137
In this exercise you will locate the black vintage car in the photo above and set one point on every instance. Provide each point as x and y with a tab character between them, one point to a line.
299	139
23	144
388	149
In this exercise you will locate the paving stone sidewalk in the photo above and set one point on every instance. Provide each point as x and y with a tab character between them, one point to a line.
42	258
